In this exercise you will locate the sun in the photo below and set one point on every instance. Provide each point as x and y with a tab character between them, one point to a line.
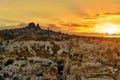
108	28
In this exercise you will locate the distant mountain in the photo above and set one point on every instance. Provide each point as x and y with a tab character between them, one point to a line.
31	30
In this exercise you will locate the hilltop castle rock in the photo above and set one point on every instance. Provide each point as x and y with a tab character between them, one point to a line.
33	26
30	30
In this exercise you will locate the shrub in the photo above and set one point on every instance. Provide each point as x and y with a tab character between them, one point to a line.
23	65
15	78
1	78
0	68
55	47
9	61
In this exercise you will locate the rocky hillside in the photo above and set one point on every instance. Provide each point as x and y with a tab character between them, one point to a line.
34	41
31	40
32	30
76	57
39	45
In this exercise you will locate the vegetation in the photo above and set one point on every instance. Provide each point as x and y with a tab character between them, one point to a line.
1	78
9	61
15	78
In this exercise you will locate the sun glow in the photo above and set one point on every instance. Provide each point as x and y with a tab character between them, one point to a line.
108	28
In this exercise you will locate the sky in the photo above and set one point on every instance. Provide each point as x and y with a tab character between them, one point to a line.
72	16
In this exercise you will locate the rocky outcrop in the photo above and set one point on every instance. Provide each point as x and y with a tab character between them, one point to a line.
33	26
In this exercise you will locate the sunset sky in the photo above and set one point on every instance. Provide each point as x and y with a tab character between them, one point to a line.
72	16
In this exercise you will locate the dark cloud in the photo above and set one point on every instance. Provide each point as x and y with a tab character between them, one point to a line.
107	13
90	18
7	20
22	25
115	13
13	26
54	27
74	25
